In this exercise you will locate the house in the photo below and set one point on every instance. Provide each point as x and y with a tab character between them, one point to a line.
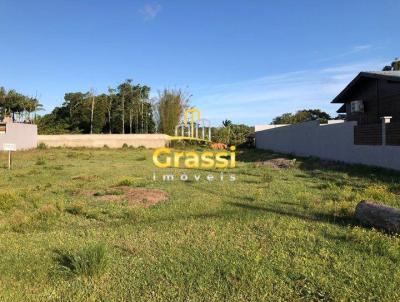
370	96
370	99
370	134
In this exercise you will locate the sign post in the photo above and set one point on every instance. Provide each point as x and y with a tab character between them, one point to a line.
9	148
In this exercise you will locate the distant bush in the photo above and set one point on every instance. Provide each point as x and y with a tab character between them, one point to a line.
88	261
232	134
125	146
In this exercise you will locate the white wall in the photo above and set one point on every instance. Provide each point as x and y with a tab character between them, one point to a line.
267	126
99	140
328	141
24	136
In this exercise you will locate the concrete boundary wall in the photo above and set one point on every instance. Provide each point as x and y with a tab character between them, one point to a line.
327	141
24	136
100	140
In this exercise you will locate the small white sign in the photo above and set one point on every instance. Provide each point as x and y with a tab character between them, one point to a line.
9	147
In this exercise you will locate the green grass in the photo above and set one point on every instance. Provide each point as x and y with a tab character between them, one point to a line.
273	235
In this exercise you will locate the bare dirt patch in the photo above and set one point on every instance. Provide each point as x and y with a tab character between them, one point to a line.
136	197
277	163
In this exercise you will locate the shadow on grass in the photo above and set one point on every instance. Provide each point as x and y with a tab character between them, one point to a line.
315	217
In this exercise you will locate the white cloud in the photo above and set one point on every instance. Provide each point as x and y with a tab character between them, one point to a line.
354	50
150	11
359	48
257	101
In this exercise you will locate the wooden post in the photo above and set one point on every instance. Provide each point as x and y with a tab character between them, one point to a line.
9	147
385	120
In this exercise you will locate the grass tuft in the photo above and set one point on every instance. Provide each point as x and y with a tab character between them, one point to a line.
89	261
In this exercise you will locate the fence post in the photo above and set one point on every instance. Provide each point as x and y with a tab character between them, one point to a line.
385	120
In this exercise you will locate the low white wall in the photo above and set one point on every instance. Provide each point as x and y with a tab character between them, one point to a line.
24	136
267	126
100	140
329	141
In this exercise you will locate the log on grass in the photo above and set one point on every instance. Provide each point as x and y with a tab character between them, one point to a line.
378	216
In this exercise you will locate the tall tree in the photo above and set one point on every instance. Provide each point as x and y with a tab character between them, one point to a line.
92	101
125	91
170	107
109	106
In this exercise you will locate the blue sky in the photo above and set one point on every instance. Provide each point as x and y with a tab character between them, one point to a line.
247	61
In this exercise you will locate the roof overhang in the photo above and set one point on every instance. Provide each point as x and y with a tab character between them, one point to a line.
390	76
342	109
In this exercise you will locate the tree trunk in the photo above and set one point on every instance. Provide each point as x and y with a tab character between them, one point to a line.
109	121
91	116
123	115
130	121
378	216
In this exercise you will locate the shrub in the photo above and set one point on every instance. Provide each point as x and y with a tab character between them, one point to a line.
88	261
125	146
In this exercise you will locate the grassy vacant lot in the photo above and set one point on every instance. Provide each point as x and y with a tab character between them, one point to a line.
274	234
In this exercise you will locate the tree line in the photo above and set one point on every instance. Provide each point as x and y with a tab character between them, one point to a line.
126	108
304	116
19	107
